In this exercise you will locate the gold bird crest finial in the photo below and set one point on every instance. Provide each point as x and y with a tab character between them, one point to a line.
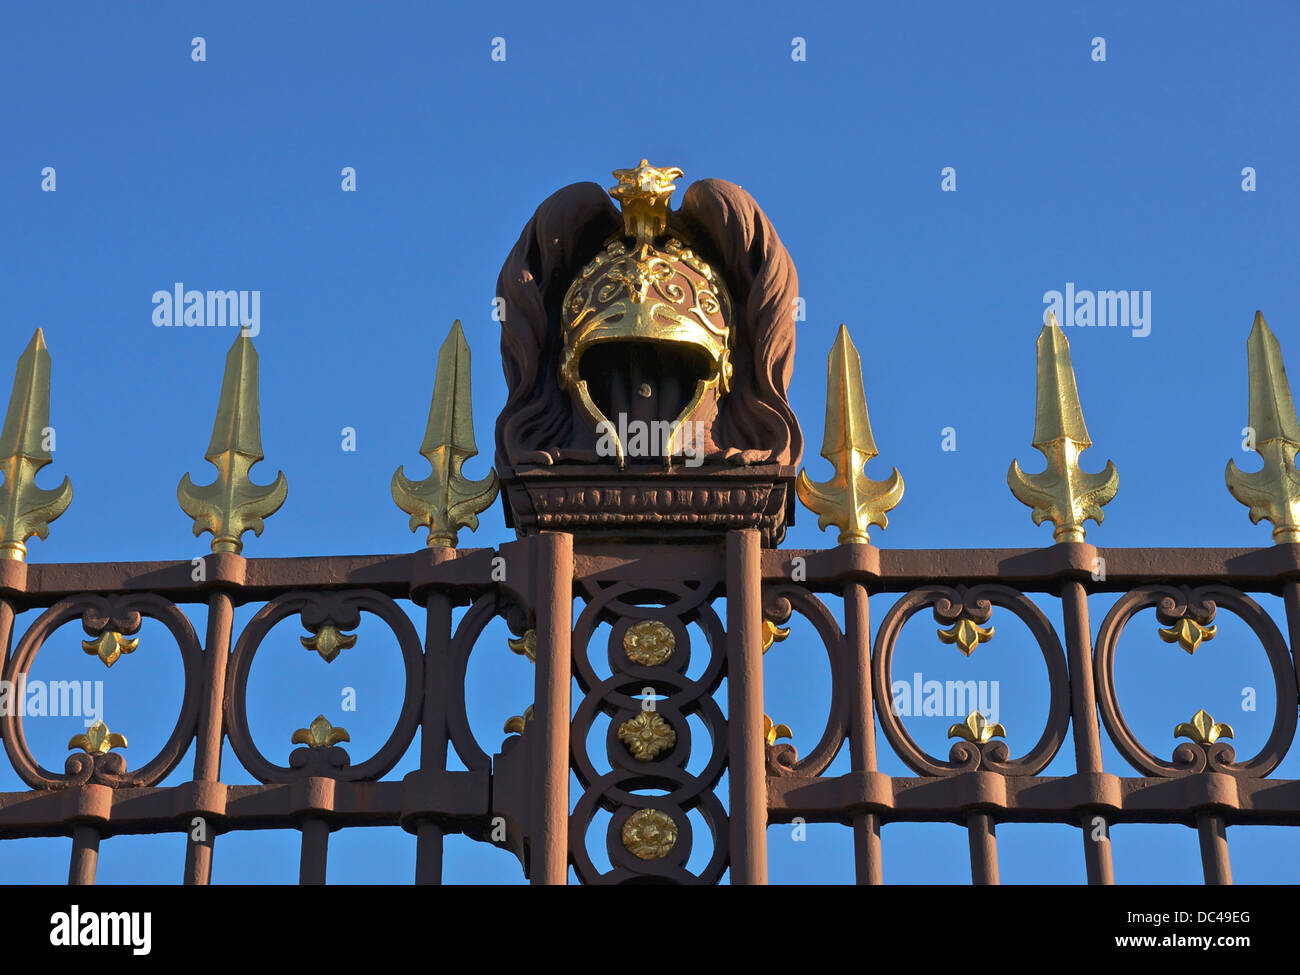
1064	493
644	192
850	499
1273	492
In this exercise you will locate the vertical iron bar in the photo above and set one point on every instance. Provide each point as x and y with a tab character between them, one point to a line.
6	631
553	581
747	772
1087	736
1291	599
428	853
433	729
315	851
85	856
983	849
1214	848
862	728
207	750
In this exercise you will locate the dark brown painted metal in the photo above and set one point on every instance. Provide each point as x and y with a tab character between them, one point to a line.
1291	600
1201	603
98	614
745	709
983	849
6	631
207	755
1214	849
315	852
1087	737
553	576
1031	570
85	856
1203	787
862	729
433	724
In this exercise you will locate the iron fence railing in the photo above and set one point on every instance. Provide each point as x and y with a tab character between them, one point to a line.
651	774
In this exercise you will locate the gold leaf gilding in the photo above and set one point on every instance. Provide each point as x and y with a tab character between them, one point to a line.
516	725
647	735
772	633
849	500
1273	492
966	634
97	740
649	643
232	504
329	642
1064	493
525	645
977	729
446	500
109	645
321	734
774	732
1188	634
1203	729
25	508
649	834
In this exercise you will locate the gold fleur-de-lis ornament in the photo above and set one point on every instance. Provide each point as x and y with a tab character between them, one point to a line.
966	634
1188	634
526	645
976	729
109	646
1203	729
329	642
772	733
97	740
320	734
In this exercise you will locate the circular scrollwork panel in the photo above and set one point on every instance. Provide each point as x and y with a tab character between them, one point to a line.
779	604
111	618
964	609
1188	613
648	745
322	756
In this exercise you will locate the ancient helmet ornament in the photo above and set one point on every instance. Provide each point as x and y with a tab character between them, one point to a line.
646	320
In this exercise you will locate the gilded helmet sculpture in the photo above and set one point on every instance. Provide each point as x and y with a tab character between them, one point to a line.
681	319
646	289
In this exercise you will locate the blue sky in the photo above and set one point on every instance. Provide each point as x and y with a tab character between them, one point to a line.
1122	174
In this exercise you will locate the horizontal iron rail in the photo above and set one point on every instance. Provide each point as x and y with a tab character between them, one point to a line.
1035	798
447	797
459	799
821	570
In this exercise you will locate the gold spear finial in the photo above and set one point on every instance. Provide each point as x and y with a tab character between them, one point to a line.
26	509
1064	493
1273	492
850	499
233	504
446	500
